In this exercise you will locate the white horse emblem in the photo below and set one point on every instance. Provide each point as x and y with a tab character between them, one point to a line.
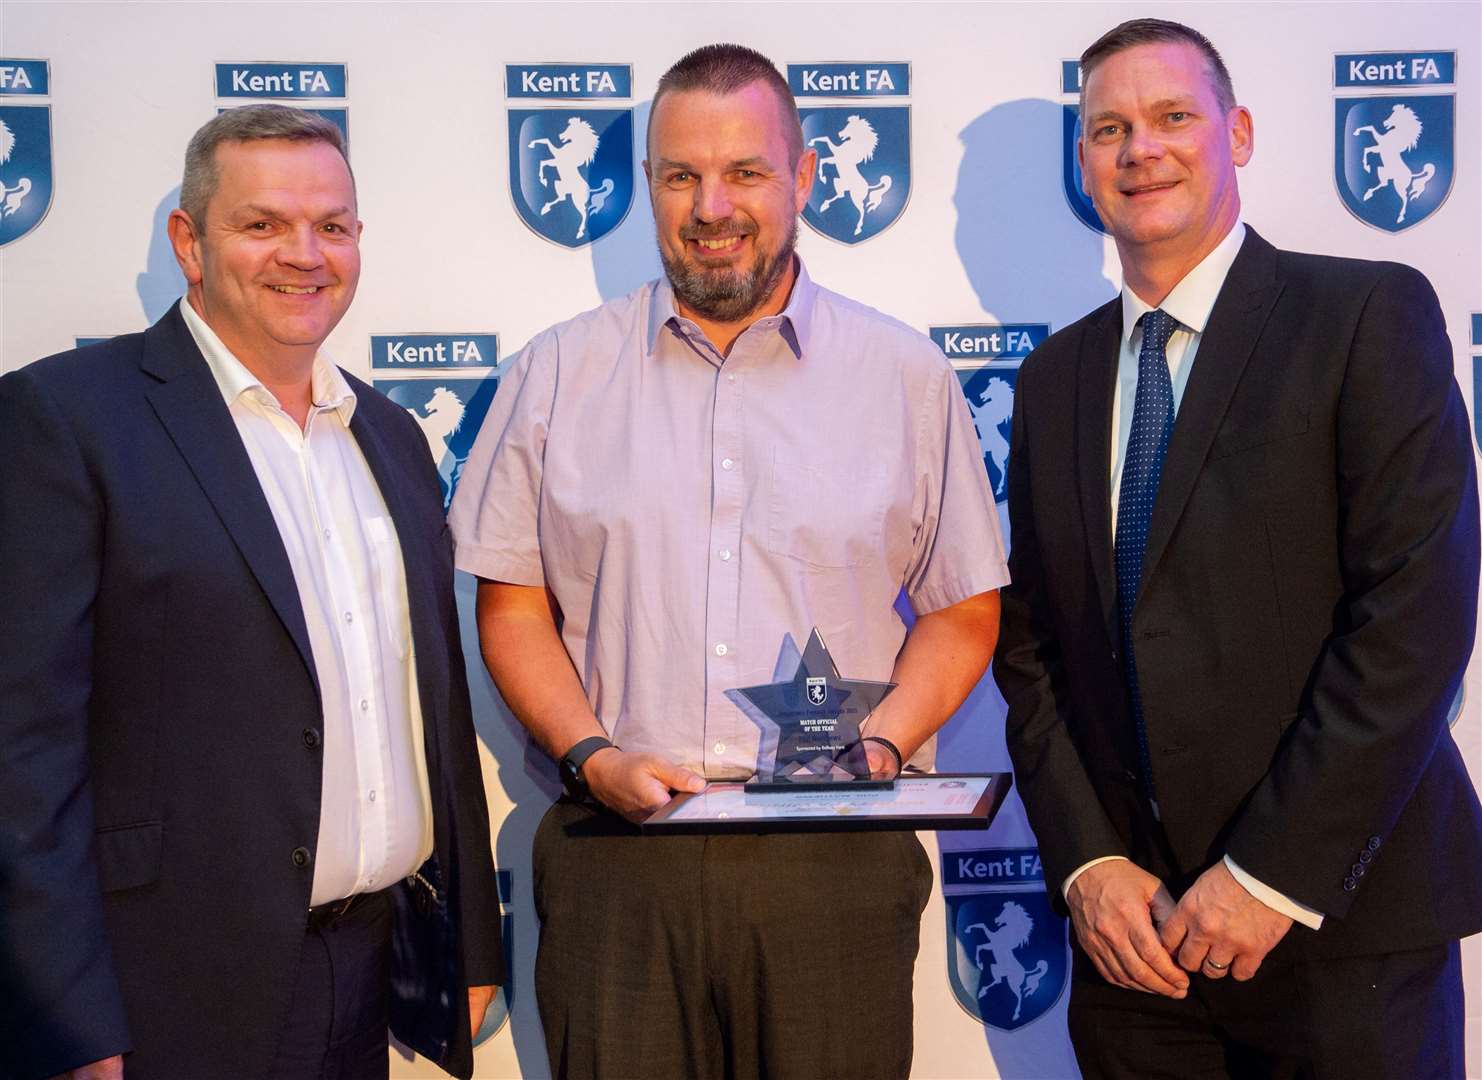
993	407
856	146
1010	931
1401	132
13	196
579	142
444	416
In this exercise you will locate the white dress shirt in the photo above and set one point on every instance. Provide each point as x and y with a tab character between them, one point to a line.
1190	302
375	813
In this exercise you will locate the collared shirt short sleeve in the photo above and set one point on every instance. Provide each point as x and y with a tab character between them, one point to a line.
689	511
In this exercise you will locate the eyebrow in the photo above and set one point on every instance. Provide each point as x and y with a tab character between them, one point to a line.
664	164
257	210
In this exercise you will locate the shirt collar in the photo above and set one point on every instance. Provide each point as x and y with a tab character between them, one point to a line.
1192	299
328	388
794	322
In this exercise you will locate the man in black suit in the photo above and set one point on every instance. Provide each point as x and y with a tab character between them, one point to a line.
242	824
1245	565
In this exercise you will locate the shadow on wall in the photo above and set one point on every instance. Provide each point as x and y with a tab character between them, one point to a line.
1027	256
627	257
160	283
1028	259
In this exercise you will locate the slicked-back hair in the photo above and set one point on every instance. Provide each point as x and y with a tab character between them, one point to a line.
1159	32
246	123
725	68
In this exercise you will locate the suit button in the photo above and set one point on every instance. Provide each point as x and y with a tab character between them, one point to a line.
1374	843
1116	657
1366	856
1349	884
1129	776
301	857
1356	870
311	738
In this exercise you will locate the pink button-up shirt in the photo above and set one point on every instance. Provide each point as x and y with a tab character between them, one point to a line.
688	510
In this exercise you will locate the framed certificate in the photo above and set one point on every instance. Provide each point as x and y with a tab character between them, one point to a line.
913	802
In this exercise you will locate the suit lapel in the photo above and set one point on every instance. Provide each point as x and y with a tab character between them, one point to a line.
188	404
1095	383
1240	313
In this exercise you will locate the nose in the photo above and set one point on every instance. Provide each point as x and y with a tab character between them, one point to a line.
1142	144
301	248
712	200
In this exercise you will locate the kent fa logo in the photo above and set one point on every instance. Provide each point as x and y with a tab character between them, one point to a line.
449	413
1394	153
1007	950
986	357
864	153
817	691
571	167
25	149
1070	161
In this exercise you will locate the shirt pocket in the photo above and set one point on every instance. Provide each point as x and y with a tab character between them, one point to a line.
388	576
826	513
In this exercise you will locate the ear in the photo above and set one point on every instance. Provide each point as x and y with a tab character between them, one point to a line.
1080	160
1242	135
186	243
804	176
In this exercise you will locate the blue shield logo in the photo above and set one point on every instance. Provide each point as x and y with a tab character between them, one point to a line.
571	171
1070	169
989	389
1008	956
864	169
25	169
1393	157
450	413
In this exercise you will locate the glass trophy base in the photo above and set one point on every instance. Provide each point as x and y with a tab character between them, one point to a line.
815	783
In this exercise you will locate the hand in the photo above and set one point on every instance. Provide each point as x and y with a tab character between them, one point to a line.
107	1069
635	785
1218	922
881	762
478	1004
1114	906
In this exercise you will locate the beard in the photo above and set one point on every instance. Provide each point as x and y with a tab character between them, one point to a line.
721	294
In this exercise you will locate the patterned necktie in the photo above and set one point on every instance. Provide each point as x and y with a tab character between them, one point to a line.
1142	467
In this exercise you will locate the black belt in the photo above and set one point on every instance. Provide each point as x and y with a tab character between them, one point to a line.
327	914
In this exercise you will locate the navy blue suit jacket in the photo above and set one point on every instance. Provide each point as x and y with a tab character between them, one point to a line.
160	758
1307	606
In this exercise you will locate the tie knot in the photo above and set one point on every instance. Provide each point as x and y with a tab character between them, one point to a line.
1158	327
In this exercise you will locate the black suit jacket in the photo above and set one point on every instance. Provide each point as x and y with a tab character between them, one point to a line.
1307	606
160	755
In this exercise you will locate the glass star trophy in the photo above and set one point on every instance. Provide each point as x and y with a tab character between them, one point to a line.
810	723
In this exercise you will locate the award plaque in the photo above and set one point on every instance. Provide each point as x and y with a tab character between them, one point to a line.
810	723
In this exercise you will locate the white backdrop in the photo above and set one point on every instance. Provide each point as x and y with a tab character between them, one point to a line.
985	236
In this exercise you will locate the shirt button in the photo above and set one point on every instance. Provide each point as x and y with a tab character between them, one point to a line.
326	534
726	463
364	705
370	881
721	650
349	616
725	554
730	378
720	748
372	795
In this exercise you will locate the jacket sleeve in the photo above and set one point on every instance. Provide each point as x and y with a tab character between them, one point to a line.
1403	629
63	1006
1062	806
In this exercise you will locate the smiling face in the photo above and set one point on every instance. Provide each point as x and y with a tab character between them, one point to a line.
274	266
1159	154
726	199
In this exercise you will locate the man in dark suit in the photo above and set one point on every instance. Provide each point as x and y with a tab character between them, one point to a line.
242	825
1245	565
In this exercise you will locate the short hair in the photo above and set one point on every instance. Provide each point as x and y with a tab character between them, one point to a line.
1156	32
725	68
247	123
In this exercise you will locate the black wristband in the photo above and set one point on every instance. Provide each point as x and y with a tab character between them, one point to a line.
572	761
895	751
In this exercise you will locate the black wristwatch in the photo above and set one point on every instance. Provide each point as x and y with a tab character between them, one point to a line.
571	763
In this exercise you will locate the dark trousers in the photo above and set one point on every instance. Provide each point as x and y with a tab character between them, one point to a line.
336	1028
1391	1015
725	956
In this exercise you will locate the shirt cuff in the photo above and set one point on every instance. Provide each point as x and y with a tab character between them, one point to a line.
1278	902
1079	870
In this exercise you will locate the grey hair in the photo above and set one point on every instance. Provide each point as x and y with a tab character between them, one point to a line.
245	124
